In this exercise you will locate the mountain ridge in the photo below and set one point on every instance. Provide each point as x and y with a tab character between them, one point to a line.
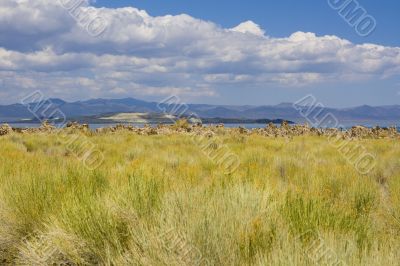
99	106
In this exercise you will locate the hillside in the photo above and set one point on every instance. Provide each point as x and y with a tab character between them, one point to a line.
100	107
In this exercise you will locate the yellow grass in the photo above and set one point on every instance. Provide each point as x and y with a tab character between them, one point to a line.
158	200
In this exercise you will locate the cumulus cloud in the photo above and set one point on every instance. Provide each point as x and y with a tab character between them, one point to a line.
249	27
139	54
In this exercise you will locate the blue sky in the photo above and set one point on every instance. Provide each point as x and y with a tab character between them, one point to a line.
280	18
219	52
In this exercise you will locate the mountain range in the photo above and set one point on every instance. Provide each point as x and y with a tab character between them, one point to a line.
97	107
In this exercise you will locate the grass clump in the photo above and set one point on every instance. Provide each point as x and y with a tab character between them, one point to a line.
158	200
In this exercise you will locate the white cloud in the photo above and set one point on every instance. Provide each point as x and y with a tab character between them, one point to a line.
139	54
249	27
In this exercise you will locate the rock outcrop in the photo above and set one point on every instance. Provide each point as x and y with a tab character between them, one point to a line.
271	130
5	129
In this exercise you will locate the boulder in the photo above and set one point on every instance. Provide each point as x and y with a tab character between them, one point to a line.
5	129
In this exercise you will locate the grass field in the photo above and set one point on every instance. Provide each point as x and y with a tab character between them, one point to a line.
158	200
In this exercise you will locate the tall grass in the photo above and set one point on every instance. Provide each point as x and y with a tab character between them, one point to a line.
153	192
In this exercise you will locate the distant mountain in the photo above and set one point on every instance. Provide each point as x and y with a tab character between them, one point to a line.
56	101
95	107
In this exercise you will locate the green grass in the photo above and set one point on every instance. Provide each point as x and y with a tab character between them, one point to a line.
152	192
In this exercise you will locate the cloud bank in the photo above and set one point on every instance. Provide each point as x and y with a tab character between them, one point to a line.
139	54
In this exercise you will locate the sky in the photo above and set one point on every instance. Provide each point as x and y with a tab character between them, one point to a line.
219	52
